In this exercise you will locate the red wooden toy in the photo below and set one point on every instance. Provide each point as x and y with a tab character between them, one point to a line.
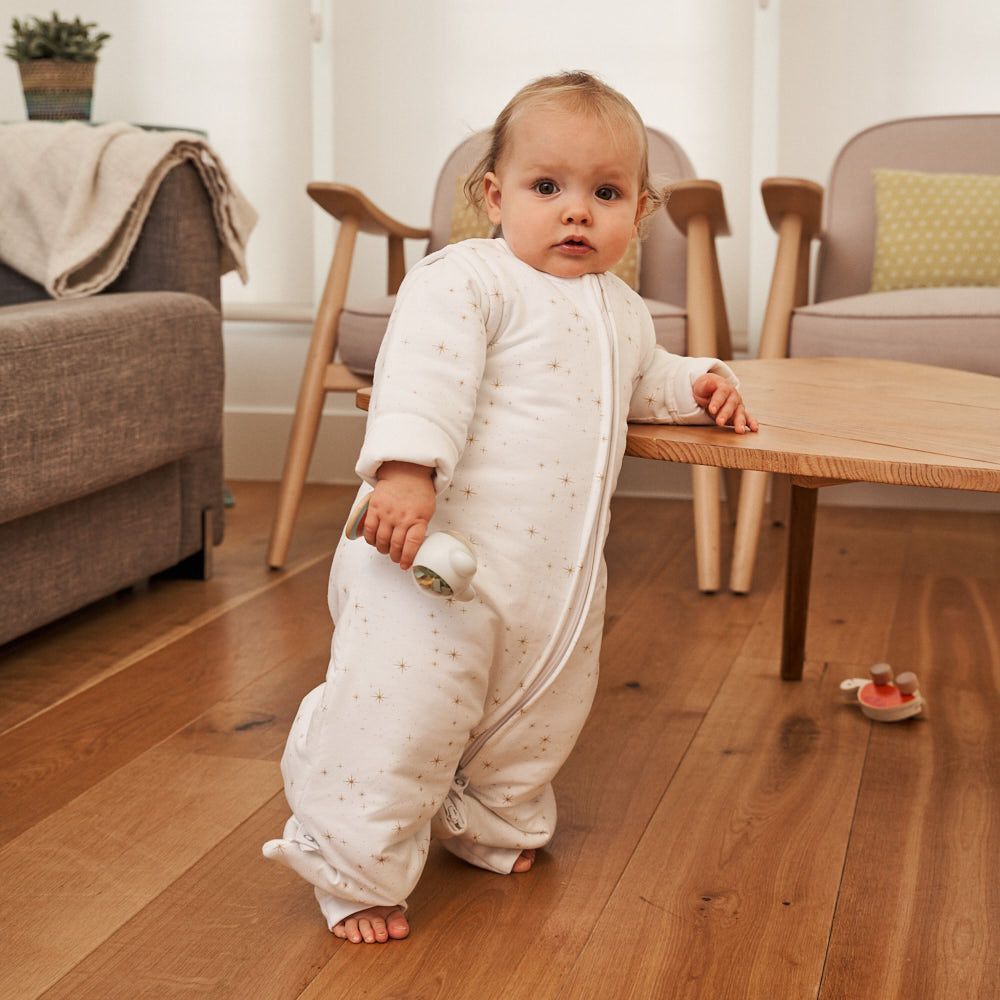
883	700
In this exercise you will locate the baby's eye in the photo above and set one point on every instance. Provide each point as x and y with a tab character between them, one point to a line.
545	187
607	193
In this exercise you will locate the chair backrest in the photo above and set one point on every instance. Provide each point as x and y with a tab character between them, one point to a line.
662	268
944	144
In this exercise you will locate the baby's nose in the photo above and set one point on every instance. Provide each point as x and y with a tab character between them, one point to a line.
576	215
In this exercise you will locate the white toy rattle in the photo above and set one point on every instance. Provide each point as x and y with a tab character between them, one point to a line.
444	564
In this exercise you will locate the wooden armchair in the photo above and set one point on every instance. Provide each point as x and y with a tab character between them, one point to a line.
678	277
955	327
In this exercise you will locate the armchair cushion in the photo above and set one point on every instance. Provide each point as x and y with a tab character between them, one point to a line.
936	230
951	327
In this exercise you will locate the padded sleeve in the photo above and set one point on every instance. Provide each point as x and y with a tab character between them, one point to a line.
662	393
429	369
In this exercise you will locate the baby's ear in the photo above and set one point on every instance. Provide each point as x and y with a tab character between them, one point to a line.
640	208
491	197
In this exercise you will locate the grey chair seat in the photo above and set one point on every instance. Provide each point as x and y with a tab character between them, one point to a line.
362	327
951	327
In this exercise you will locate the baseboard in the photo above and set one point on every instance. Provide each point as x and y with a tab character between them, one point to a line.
256	440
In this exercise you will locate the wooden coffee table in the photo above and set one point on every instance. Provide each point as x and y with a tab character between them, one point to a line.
827	421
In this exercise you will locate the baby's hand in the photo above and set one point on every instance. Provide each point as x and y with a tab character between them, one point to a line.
714	394
400	507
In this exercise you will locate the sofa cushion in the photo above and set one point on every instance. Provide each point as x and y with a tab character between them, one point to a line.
362	328
96	391
950	327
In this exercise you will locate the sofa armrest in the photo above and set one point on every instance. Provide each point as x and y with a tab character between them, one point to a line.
178	249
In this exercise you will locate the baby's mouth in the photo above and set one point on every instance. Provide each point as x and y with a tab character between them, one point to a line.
575	244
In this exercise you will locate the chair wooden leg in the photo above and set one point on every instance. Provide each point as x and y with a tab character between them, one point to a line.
780	498
312	392
752	491
302	440
705	483
733	478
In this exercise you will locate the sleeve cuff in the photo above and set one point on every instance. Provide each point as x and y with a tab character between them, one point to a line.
407	438
681	402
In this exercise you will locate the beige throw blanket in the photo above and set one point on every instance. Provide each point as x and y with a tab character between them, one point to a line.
73	199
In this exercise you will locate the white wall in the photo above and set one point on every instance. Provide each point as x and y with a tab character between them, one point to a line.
413	80
852	64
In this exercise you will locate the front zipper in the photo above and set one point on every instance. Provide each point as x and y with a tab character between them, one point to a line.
593	557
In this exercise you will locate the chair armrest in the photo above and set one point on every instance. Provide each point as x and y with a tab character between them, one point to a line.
689	198
342	200
793	195
794	208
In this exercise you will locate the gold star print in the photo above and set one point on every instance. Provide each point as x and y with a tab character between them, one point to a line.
441	348
565	480
468	492
437	761
454	654
498	383
471	439
554	365
380	859
532	531
351	781
403	666
456	700
379	697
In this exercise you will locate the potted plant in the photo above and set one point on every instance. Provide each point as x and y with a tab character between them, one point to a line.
56	59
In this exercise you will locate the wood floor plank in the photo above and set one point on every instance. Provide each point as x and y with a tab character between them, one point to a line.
77	876
733	885
700	783
233	925
919	912
56	756
53	662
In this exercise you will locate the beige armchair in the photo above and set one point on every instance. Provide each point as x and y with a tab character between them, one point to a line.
678	277
954	327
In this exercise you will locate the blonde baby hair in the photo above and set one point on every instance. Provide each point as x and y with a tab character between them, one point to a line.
578	91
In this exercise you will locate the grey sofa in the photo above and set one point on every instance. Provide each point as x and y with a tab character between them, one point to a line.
111	420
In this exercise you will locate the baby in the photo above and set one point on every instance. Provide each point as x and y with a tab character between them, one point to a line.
499	411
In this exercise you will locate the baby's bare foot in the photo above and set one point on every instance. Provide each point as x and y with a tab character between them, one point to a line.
525	861
376	924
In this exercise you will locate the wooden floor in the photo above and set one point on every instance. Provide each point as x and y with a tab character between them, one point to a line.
722	834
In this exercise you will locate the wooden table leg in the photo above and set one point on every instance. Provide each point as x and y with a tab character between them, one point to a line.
801	528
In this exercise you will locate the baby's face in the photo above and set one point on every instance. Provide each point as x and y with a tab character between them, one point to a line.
566	192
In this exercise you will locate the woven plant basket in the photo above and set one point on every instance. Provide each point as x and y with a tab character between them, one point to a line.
57	89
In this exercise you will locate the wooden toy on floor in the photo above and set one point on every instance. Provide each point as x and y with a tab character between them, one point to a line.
880	698
444	564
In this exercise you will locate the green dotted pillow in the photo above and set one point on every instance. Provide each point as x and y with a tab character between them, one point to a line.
936	230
